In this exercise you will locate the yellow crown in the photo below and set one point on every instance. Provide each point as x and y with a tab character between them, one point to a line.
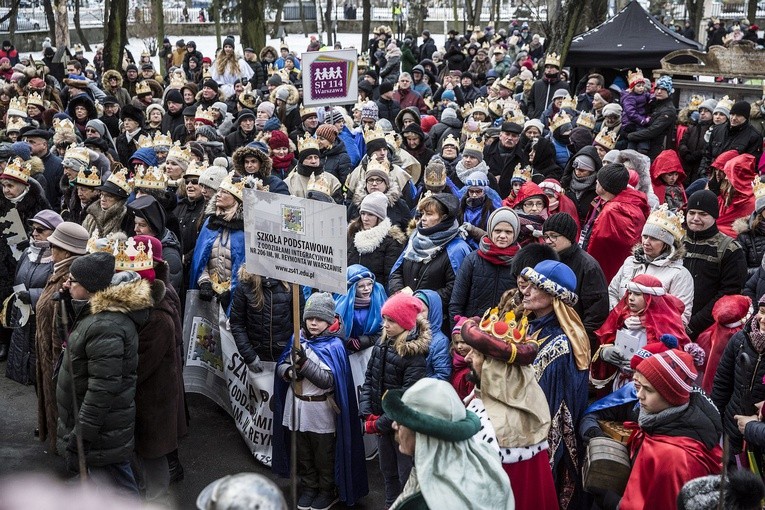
497	107
179	153
18	169
586	120
481	105
142	87
144	142
516	116
363	61
104	244
307	111
319	184
668	220
521	172
63	126
79	154
149	178
379	166
633	77
508	327
606	139
307	142
451	140
247	98
694	102
35	99
218	285
560	119
18	103
271	69
161	140
203	114
473	144
507	83
393	139
759	188
89	177
235	188
373	134
15	124
177	79
429	102
569	102
129	257
552	59
466	110
194	169
725	102
435	173
120	179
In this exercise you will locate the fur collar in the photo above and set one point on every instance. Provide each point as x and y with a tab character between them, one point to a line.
393	193
418	345
742	225
126	298
367	241
112	217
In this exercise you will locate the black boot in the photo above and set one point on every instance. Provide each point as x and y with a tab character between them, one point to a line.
3	351
176	470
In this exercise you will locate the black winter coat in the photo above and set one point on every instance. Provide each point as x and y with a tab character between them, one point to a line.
377	249
172	254
661	131
388	109
264	332
541	96
753	244
502	162
439	132
395	364
584	200
691	149
189	219
744	139
479	286
755	285
238	139
738	383
336	161
436	275
125	148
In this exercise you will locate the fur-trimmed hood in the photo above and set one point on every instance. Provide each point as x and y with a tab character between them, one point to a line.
108	75
36	165
242	152
420	344
367	241
743	225
642	165
199	99
393	193
265	50
126	298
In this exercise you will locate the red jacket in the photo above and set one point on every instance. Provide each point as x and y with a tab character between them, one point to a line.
617	229
410	98
740	172
665	163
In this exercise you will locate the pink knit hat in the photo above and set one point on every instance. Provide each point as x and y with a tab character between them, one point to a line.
402	309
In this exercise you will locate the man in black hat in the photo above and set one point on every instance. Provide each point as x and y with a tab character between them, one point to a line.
186	132
131	79
244	134
716	262
503	157
469	91
737	134
132	122
38	140
428	46
210	93
173	111
111	115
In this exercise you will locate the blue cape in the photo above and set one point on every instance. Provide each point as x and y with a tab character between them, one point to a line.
623	395
344	305
350	464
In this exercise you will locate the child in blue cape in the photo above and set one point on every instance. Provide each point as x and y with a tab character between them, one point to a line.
360	309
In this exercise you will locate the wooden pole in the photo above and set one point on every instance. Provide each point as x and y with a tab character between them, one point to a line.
296	386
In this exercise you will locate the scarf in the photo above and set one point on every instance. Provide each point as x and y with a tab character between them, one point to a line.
283	162
20	197
39	251
362	302
648	420
463	173
230	213
580	185
489	251
426	243
756	336
572	325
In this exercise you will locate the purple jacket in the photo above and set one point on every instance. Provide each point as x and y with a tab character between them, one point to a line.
634	110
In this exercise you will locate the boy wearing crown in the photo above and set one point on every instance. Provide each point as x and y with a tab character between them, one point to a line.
309	164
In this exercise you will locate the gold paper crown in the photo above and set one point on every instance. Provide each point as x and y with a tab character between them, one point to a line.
633	77
142	87
586	119
373	134
435	174
695	101
497	107
552	59
78	49
569	102
91	178
517	116
429	102
207	115
15	124
144	142
606	138
363	61
319	184
508	328
79	154
379	166
307	142
161	140
218	285
194	169
521	172
307	111
759	188
559	119
668	220
235	188
473	144
179	153
507	83
725	102
129	257
149	178
451	140
104	244
393	139
18	169
247	98
63	126
35	99
18	103
177	79
119	179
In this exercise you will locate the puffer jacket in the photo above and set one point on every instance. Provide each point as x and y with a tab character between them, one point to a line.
103	345
336	161
438	362
738	383
262	332
395	364
669	269
275	185
752	241
479	286
377	249
743	139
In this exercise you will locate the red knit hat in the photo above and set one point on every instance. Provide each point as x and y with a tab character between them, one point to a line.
402	309
671	373
278	140
665	343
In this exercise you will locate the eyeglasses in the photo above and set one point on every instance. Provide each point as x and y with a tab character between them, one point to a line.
71	280
534	204
550	237
375	180
192	181
475	192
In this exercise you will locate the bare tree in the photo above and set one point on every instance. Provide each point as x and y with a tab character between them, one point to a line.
254	25
751	10
158	20
78	28
48	8
328	22
366	24
61	14
303	21
12	14
115	34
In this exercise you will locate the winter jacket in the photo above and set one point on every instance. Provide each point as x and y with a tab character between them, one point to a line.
172	254
669	269
739	171
541	95
389	73
103	346
479	286
377	249
106	221
668	162
738	383
502	163
125	148
718	267
438	362
691	148
426	49
237	139
408	97
545	165
439	132
336	161
755	285
585	198
264	332
634	111
744	139
660	131
388	108
395	364
53	172
751	241
189	218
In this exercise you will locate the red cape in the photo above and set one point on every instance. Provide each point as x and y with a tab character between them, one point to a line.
665	163
740	172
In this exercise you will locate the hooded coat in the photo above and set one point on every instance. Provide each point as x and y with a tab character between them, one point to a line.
377	249
438	362
751	239
743	139
336	161
275	185
582	199
398	211
660	130
545	165
665	163
740	171
153	213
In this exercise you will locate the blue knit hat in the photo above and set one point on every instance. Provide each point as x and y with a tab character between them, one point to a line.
555	278
665	82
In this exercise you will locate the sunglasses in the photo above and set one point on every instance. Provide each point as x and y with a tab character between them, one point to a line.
39	230
192	181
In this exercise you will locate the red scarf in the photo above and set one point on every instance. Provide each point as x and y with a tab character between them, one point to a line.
497	256
283	162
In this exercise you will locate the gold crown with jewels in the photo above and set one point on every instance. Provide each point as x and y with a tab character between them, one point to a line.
508	327
18	169
633	77
374	134
606	139
587	120
474	144
203	114
521	172
144	142
63	126
15	124
319	184
236	188
18	103
560	119
78	154
307	142
89	177
180	153
120	179
194	169
451	140
759	188
162	140
35	99
142	87
552	59
569	102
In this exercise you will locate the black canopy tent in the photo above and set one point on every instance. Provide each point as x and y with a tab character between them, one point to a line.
632	38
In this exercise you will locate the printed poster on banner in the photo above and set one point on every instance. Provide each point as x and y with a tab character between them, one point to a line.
296	240
330	77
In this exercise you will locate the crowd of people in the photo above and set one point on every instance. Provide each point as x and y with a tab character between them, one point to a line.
529	259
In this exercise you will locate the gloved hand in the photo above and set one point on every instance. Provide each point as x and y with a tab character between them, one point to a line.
633	322
353	345
224	299
370	424
611	354
72	459
24	297
593	432
206	292
256	366
299	356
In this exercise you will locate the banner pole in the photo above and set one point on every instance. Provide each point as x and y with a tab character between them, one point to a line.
295	388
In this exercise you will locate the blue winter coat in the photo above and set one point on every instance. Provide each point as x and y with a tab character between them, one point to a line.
439	361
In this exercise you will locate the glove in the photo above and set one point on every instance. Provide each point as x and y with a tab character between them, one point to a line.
593	432
633	322
299	356
224	299
370	424
611	354
256	366
353	345
24	297
72	459
206	291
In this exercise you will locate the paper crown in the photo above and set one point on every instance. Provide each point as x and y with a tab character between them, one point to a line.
516	116
435	174
142	87
101	244
144	142
15	124
393	139
177	79
149	178
247	98
496	107
162	140
319	184
586	120
78	49
451	140
307	111
363	61
606	139
668	220
194	169
79	154
18	169
569	102
307	142
560	119
552	59
373	134
18	104
379	166
120	179
481	105
507	327
634	77
35	99
234	185
466	110
759	188
695	101
507	83
129	257
89	177
473	144
725	102
522	173
63	126
206	115
179	153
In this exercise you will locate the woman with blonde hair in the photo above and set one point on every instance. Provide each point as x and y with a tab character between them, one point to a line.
229	67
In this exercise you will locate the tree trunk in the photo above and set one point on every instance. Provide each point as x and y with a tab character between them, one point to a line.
78	28
319	19
216	18
302	18
475	19
497	7
48	8
159	24
597	13
567	21
456	15
695	10
277	20
328	22
366	24
254	25
62	23
106	15
115	35
751	10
